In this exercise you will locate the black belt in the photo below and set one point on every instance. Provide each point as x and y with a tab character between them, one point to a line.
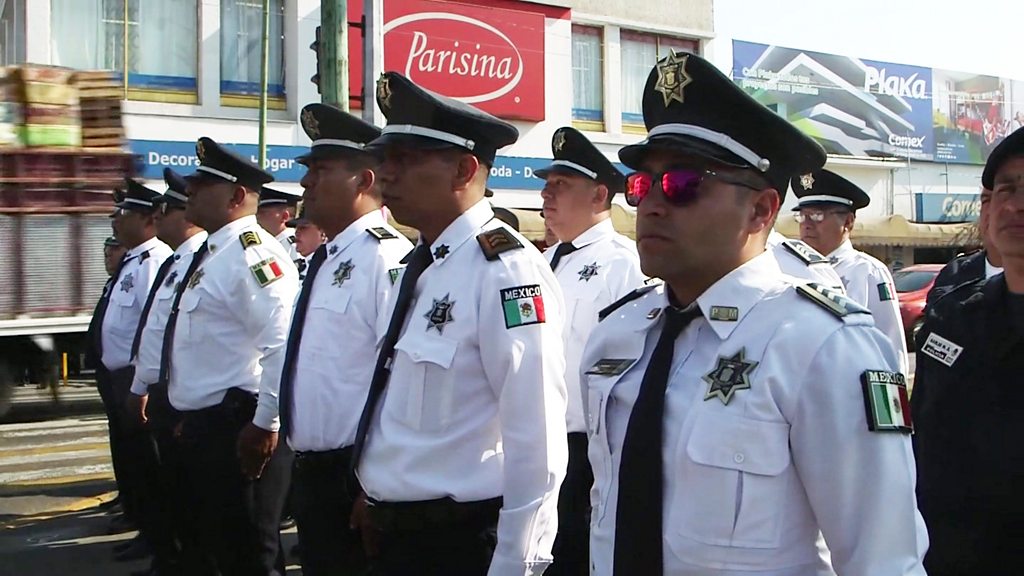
323	459
432	514
237	408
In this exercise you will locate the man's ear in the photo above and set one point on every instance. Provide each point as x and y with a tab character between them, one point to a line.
601	197
466	170
765	209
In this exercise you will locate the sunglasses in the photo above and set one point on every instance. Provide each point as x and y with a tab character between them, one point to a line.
680	186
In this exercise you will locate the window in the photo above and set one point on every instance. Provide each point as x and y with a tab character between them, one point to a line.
640	52
12	32
156	41
587	77
241	37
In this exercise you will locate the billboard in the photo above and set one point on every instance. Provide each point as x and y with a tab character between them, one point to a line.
945	208
868	108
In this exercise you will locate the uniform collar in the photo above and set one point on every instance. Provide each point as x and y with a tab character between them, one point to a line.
738	292
599	231
990	268
845	248
343	239
775	238
461	229
220	239
190	245
144	247
283	236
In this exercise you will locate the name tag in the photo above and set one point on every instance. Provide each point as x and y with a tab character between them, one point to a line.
941	349
610	366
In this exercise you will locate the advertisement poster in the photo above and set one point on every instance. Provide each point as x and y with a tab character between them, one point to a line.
867	108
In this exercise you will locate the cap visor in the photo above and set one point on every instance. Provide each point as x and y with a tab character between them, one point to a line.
632	156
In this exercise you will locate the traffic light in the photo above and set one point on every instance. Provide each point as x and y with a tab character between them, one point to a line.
316	47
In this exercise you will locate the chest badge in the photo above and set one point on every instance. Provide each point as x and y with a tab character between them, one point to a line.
440	314
731	374
588	272
343	272
196	277
170	278
127	283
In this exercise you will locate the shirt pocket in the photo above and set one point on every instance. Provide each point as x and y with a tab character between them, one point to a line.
189	322
733	482
598	390
423	370
122	302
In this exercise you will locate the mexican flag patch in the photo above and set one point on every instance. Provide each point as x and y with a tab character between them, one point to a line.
266	271
886	401
884	292
523	305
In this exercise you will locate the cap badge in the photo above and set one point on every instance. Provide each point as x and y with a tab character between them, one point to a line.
672	77
384	91
200	151
310	123
807	181
559	142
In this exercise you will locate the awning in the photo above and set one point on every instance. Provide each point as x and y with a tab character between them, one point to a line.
895	231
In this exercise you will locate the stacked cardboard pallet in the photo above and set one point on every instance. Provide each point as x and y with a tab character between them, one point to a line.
49	106
100	94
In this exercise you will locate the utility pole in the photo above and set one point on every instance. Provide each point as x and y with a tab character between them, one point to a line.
373	58
334	47
264	74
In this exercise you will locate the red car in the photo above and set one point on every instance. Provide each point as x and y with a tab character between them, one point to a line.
912	286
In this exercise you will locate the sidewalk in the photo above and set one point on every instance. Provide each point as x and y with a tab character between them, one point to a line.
23	403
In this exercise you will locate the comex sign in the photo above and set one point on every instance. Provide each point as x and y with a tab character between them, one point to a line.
948	207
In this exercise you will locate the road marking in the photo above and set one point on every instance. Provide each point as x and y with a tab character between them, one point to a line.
59	475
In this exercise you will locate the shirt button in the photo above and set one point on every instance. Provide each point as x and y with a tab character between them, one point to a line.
738	458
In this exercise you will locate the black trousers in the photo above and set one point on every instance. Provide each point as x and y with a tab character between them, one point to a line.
436	538
322	506
241	535
115	417
572	544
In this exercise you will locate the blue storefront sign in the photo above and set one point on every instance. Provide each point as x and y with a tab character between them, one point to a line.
942	208
508	172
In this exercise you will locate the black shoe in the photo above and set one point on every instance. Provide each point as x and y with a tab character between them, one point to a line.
120	524
138	550
288	523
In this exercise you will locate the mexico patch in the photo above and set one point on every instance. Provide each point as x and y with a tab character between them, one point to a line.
266	271
523	305
886	401
884	292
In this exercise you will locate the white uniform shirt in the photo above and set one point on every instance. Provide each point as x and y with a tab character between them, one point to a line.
147	363
604	268
794	265
749	484
475	409
344	323
231	330
287	240
869	283
127	297
991	269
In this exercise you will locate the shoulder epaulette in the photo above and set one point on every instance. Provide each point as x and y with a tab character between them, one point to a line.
381	233
143	256
291	239
249	238
494	242
804	252
830	300
604	313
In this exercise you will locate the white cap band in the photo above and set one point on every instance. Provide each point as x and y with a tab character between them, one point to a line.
717	138
582	169
216	172
825	198
176	195
138	201
335	142
428	133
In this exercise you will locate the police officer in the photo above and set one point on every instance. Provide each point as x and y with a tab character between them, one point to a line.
595	266
276	208
463	435
827	211
112	330
983	263
968	401
113	251
324	385
308	237
147	403
727	406
223	348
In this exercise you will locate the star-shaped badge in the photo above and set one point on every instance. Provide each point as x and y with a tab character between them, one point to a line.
807	181
441	251
588	271
672	77
440	313
200	150
311	124
384	91
196	276
343	272
731	374
332	250
559	141
127	283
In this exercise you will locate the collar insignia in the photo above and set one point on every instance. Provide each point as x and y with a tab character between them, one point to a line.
343	272
170	278
440	314
654	313
672	78
333	249
311	124
731	374
588	271
725	313
441	251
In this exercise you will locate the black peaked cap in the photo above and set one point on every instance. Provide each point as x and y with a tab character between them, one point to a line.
176	193
216	161
334	132
823	187
576	154
1012	145
138	197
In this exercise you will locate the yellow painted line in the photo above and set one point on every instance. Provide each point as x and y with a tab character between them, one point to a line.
38	451
76	506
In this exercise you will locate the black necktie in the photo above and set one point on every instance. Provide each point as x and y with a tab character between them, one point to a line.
284	395
563	249
161	275
96	324
421	258
172	319
638	521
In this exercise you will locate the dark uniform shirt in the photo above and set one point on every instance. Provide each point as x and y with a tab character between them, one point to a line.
960	270
968	410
